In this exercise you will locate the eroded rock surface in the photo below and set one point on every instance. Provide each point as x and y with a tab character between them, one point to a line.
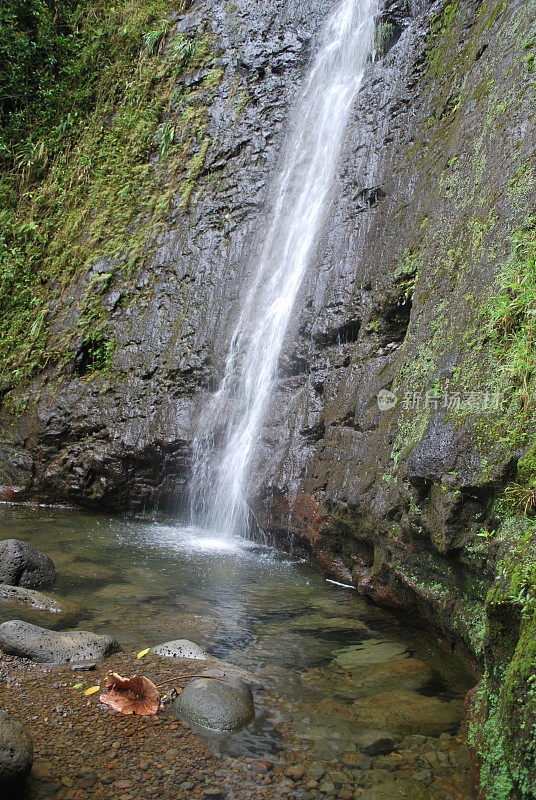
23	639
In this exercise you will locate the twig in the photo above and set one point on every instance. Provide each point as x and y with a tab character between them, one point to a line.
177	677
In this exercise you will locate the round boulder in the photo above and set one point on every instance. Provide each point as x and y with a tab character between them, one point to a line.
23	565
16	751
216	704
18	638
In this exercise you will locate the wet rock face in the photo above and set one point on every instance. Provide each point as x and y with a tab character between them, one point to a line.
123	440
391	499
23	565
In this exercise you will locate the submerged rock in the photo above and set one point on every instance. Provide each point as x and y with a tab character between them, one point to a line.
407	712
398	789
275	645
371	651
23	565
16	750
16	600
311	623
375	743
404	673
25	640
220	705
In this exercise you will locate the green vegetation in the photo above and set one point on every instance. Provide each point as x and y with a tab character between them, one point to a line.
93	153
511	321
503	715
383	38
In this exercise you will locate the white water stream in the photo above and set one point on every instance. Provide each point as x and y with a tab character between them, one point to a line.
302	190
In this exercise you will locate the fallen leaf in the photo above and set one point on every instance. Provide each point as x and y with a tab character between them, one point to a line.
78	685
143	653
91	690
136	695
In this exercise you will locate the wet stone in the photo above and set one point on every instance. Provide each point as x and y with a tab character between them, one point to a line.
295	772
422	775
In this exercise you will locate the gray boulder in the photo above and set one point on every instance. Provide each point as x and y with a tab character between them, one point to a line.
181	648
23	565
16	751
219	705
22	639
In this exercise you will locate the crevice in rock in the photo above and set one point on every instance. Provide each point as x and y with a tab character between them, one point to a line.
315	433
90	356
368	198
346	333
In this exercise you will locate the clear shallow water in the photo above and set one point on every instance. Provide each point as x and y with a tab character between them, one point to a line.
333	665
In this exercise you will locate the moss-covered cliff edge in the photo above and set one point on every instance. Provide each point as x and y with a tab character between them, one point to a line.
132	237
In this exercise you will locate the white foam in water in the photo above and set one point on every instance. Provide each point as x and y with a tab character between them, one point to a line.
301	198
194	538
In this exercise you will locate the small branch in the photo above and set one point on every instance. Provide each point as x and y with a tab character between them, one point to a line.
178	677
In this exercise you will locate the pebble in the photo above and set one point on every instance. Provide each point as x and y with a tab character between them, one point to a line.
295	772
422	775
41	770
339	777
263	765
327	787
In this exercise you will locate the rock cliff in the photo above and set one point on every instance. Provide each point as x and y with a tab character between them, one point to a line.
422	290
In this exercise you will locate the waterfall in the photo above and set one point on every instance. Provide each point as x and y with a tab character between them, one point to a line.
309	162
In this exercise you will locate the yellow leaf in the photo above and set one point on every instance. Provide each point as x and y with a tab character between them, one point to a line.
143	653
92	690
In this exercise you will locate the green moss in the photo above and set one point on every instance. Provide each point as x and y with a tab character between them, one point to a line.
503	717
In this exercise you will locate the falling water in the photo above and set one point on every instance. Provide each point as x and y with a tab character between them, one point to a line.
301	197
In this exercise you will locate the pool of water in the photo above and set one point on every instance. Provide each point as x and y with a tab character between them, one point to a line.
335	667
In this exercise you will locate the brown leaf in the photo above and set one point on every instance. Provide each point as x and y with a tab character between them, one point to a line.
136	695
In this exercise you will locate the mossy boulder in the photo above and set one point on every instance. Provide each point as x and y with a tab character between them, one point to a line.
217	704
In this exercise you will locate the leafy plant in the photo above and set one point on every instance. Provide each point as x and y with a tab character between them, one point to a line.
154	40
383	37
521	498
164	137
511	313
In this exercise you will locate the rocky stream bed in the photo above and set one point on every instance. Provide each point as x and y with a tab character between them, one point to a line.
349	700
